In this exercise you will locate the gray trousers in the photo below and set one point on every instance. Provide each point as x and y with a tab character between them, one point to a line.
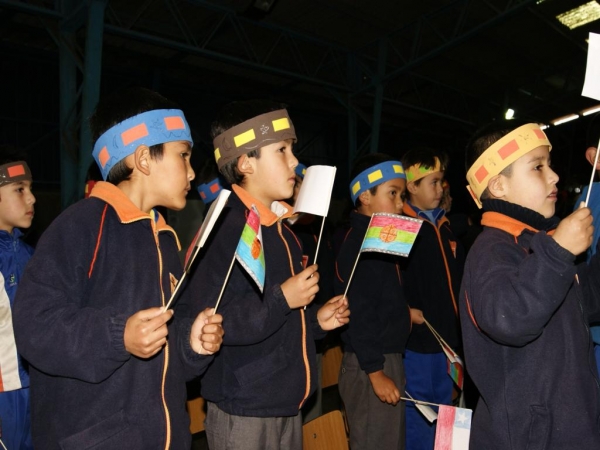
373	424
228	432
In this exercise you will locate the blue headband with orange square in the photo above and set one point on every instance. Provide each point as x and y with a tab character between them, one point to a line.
375	175
148	128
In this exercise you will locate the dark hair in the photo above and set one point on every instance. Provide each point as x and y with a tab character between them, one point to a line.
10	153
122	105
233	114
483	139
424	156
363	163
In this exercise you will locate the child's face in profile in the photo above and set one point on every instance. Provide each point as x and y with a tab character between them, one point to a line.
532	183
428	194
173	174
16	205
387	199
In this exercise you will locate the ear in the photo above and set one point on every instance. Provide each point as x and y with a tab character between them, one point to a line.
245	165
412	187
590	155
365	198
141	159
496	186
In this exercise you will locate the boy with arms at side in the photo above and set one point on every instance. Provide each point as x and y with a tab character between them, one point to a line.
108	365
372	374
525	306
16	211
265	370
432	275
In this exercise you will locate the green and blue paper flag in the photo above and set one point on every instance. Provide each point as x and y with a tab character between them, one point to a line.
391	233
249	252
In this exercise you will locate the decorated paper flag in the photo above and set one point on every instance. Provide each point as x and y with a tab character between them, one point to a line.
249	252
456	371
391	233
453	428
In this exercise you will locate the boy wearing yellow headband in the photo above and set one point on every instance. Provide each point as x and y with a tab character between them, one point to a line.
432	276
372	376
525	306
266	369
108	364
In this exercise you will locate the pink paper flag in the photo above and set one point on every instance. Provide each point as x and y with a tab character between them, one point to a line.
453	428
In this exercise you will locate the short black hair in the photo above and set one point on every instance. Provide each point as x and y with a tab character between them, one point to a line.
365	162
233	114
485	137
424	156
122	105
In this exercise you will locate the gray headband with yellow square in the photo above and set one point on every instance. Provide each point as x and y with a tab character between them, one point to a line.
268	128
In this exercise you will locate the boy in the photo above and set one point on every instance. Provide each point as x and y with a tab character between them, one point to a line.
16	211
524	305
432	275
107	369
265	370
372	375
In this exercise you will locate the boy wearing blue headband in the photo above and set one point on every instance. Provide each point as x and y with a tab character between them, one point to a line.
265	370
108	363
372	375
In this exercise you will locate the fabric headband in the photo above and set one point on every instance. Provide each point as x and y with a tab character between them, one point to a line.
502	154
418	171
13	172
300	170
374	176
274	126
148	128
209	191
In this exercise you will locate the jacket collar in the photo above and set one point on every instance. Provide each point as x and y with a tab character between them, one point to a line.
413	211
279	210
126	210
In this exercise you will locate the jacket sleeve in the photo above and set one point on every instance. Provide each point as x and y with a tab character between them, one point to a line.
55	330
249	317
512	295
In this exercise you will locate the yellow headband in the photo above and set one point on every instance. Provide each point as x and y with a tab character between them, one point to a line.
502	154
418	171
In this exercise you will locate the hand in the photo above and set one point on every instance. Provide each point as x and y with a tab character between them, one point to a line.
384	387
416	316
334	314
301	289
146	332
207	333
575	232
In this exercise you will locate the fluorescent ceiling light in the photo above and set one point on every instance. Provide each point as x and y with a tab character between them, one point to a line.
564	119
592	110
586	13
509	114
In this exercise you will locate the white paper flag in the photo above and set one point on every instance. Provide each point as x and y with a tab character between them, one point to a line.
591	86
315	193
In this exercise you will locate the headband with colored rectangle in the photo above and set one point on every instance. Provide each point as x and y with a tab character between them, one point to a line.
274	126
300	170
502	154
375	175
209	191
418	171
148	128
13	172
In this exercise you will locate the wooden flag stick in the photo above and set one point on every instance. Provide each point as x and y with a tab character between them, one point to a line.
356	262
587	197
224	284
319	240
179	283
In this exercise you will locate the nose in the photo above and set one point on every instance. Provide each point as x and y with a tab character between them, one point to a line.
191	173
293	161
31	199
553	176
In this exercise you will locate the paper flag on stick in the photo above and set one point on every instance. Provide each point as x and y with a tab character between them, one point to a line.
200	239
249	252
453	428
423	407
454	362
315	194
391	233
591	85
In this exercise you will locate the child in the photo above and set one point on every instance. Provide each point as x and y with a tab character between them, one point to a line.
432	275
16	211
265	371
107	371
524	305
372	374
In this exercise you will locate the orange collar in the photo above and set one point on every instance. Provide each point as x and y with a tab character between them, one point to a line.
506	223
125	208
267	216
